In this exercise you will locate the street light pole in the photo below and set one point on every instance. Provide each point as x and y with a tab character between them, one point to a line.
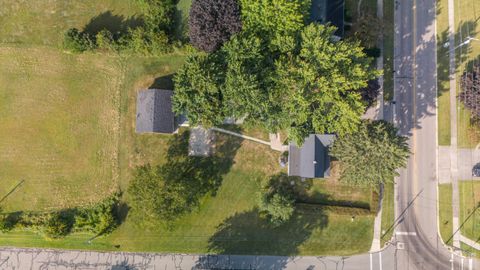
467	41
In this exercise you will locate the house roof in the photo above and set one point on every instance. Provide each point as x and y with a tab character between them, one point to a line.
311	160
154	111
324	11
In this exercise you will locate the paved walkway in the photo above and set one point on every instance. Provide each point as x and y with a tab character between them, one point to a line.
466	158
470	242
453	124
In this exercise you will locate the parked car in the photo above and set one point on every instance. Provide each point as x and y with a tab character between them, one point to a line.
476	170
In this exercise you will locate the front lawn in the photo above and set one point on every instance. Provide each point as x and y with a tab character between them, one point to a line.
445	212
469	208
388	214
59	138
68	139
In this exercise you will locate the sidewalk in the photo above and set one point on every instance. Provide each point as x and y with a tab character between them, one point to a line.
453	125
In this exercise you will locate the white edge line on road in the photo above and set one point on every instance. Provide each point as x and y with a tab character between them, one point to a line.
451	260
406	233
470	264
380	260
371	266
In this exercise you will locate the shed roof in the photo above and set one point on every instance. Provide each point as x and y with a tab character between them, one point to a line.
312	159
154	111
324	11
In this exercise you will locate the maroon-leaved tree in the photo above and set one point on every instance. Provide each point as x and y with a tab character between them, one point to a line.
470	94
212	23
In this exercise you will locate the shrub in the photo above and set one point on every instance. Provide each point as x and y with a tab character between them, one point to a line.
99	218
76	41
213	22
277	199
278	207
59	224
8	221
470	94
104	40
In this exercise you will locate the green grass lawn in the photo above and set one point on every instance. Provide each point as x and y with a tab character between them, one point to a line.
67	126
388	43
469	209
44	22
59	129
466	24
445	212
388	214
443	83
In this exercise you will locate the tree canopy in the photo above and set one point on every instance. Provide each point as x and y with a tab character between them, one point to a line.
276	20
312	87
198	89
213	22
318	81
371	155
276	199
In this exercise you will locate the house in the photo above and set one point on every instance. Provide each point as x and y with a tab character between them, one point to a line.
154	112
329	11
312	159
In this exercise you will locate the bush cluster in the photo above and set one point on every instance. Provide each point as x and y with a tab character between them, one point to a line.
100	218
153	37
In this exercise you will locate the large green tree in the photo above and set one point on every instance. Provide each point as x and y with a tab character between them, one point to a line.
371	155
198	89
321	79
275	19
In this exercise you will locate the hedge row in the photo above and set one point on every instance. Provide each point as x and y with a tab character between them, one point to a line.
100	218
155	36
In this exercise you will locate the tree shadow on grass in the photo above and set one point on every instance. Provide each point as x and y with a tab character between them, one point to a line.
198	175
164	82
250	233
116	24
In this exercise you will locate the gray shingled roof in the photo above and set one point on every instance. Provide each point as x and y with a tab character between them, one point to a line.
311	160
154	111
323	11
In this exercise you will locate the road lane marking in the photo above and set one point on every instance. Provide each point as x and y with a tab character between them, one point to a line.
406	233
380	259
451	260
470	264
461	263
371	266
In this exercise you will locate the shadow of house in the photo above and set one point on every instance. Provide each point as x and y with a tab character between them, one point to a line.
115	24
329	11
164	82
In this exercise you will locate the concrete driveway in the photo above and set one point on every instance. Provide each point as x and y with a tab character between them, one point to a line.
466	159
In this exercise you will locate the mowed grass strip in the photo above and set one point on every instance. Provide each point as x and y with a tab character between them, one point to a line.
445	212
443	83
388	214
470	209
45	22
466	24
60	128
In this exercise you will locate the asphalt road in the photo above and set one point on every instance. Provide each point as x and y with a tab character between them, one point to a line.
415	68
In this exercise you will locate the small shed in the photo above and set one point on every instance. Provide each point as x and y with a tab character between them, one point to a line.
329	11
201	142
312	159
154	112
